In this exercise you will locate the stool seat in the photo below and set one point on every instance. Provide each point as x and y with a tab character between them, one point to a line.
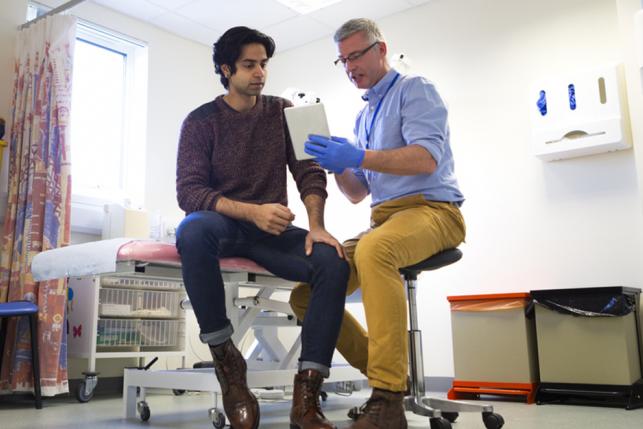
17	308
439	260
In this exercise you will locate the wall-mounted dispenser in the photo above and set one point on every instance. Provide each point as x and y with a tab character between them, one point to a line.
579	114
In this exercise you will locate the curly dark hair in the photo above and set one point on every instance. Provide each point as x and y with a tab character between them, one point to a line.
227	49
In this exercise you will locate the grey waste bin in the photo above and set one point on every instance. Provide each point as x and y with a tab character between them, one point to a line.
589	346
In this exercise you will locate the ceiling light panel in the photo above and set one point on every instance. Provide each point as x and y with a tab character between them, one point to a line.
306	6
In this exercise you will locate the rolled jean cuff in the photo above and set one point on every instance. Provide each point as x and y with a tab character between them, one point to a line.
323	369
217	337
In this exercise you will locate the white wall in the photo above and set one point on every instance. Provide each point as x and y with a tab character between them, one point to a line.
530	224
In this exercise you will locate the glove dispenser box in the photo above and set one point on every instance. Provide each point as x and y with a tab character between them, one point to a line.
580	114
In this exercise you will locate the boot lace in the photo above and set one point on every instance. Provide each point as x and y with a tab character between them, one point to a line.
371	408
310	391
231	369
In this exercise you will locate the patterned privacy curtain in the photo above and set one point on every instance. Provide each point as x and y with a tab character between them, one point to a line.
39	204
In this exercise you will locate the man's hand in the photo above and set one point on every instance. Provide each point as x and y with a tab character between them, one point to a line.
272	218
334	154
320	235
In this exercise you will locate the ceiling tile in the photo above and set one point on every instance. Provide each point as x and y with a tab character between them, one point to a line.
205	20
53	3
296	32
170	4
141	9
187	28
338	13
230	13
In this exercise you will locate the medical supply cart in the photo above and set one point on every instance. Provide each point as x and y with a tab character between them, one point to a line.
124	316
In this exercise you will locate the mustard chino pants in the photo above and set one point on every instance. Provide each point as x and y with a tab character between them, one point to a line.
403	232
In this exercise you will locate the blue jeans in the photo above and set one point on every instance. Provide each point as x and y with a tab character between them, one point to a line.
204	237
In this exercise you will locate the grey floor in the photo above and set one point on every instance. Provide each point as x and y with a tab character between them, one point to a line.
190	411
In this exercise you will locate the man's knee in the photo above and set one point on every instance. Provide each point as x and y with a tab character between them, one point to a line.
198	227
327	259
374	250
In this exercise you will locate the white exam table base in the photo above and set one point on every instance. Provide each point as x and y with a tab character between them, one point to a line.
204	380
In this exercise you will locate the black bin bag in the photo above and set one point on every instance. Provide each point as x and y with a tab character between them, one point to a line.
612	301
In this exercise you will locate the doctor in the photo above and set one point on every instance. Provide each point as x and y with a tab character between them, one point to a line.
231	182
402	157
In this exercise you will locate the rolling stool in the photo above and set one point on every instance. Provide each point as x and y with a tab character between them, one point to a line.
24	308
441	412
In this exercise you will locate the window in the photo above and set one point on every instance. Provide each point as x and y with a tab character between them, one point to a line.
108	114
107	122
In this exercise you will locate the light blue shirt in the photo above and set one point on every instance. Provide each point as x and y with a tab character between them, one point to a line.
412	112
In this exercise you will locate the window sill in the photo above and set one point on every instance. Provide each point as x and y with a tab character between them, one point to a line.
87	213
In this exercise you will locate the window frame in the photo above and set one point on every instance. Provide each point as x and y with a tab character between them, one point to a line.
88	205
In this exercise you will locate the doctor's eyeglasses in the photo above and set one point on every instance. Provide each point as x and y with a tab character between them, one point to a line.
353	56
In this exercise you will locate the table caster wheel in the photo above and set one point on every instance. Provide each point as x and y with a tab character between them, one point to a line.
84	393
144	411
217	417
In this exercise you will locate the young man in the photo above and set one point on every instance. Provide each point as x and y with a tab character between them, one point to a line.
403	158
231	182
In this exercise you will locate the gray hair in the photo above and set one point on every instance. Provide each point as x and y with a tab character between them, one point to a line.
369	27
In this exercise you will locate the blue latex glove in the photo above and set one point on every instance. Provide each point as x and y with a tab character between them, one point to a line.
335	153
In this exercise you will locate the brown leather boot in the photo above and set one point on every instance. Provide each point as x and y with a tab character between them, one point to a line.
306	411
384	409
239	404
355	412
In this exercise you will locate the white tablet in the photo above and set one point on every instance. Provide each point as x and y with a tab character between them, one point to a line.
304	120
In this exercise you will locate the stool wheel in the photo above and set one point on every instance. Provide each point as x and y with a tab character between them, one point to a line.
493	420
439	423
450	416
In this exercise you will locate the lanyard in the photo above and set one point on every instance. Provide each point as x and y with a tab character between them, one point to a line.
369	130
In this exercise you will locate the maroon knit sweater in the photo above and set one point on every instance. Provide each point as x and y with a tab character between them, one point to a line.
240	155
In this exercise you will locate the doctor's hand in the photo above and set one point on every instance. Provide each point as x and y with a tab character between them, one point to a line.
320	235
335	153
272	218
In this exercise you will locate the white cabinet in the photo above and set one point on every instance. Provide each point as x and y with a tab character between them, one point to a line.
124	316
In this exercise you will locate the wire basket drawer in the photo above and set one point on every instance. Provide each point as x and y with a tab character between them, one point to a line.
150	333
139	303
